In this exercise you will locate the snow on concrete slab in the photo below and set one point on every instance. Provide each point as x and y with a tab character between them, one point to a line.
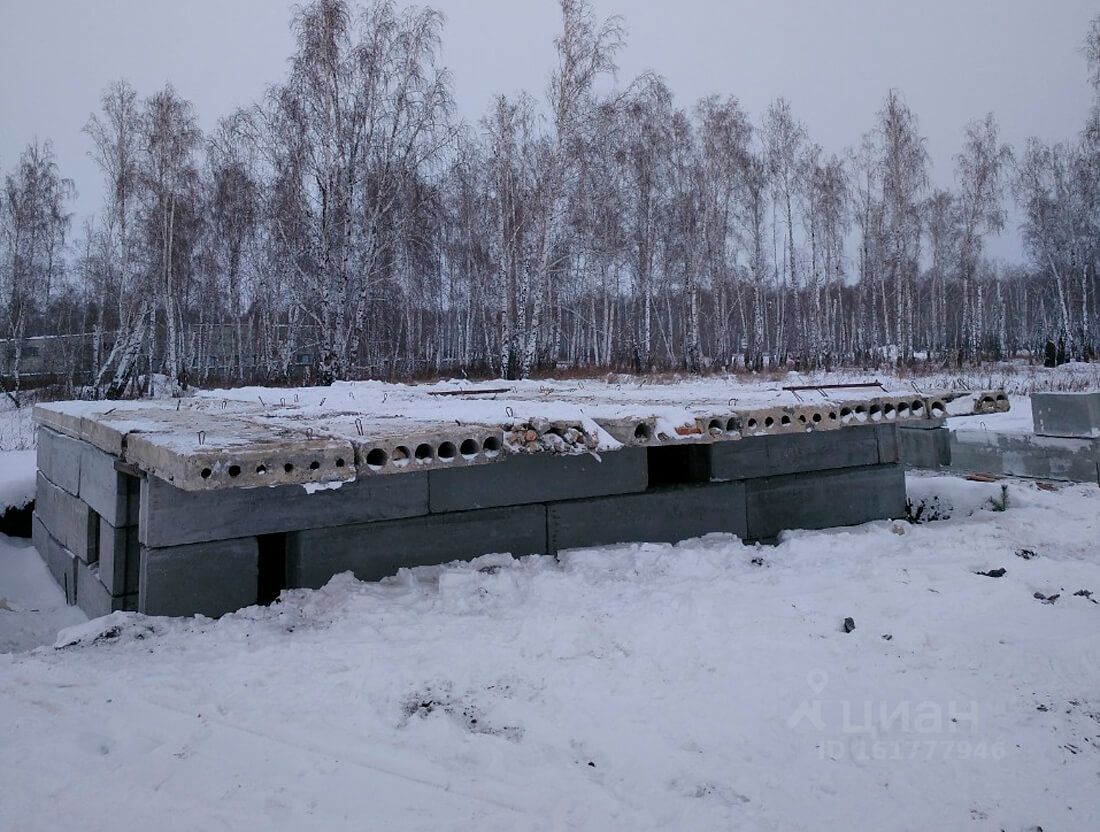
706	685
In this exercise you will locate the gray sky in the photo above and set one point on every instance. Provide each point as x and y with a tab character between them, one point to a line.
953	59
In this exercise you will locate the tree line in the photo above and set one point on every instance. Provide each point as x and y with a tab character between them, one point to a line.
349	221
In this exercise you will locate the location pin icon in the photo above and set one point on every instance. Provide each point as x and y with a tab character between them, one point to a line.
817	679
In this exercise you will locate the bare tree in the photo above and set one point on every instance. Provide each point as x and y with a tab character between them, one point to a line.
981	172
33	227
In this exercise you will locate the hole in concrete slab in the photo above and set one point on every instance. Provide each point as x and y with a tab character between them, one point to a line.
816	418
1001	397
832	415
714	426
861	413
340	462
785	420
491	446
402	456
261	469
845	414
234	470
916	407
903	410
731	426
205	473
889	412
469	448
768	422
288	467
424	452
752	423
875	413
271	567
376	458
938	409
641	432
446	451
313	466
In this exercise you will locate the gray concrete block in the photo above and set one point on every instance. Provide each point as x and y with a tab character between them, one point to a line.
889	444
1066	414
204	578
823	499
71	522
737	460
822	450
59	560
119	558
110	493
664	515
796	452
170	516
537	478
923	448
1026	455
59	459
375	550
93	597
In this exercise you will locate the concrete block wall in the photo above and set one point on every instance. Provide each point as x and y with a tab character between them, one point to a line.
165	551
1007	454
84	526
1026	455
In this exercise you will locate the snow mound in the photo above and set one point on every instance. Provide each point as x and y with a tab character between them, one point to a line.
17	478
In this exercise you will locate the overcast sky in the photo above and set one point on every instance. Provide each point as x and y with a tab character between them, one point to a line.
835	60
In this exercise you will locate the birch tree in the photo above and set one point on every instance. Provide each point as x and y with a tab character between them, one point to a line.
981	170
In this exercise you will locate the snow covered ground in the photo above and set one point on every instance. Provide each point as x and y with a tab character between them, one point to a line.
704	686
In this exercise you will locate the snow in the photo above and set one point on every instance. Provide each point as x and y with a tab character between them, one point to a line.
17	478
32	605
707	685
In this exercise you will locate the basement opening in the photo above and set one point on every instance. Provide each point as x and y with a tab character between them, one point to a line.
271	574
678	464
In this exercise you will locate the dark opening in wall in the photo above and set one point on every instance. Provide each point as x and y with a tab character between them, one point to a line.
678	464
16	522
272	567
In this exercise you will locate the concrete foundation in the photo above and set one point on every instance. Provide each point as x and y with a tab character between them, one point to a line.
205	507
1074	415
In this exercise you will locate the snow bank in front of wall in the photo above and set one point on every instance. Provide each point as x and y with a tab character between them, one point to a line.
32	606
17	478
706	685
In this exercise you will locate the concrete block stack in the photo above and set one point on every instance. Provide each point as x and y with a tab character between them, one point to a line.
1065	443
173	510
85	523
